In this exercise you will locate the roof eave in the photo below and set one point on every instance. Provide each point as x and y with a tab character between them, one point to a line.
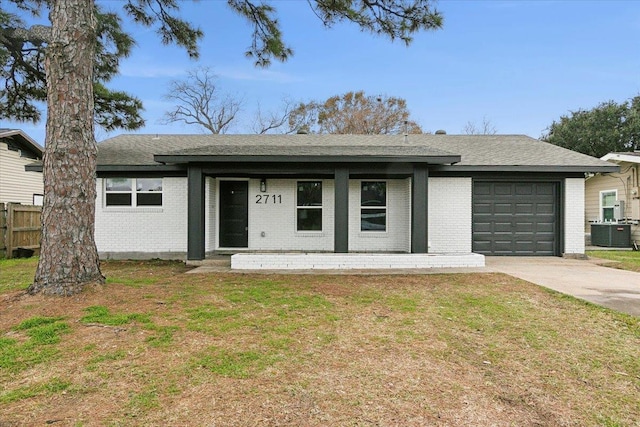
182	159
620	157
37	167
26	139
529	168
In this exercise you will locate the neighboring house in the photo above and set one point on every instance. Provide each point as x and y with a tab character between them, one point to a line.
188	196
604	191
17	185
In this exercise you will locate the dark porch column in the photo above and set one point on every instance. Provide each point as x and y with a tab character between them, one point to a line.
419	210
341	206
195	213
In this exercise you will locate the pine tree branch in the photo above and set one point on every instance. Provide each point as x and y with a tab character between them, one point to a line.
36	35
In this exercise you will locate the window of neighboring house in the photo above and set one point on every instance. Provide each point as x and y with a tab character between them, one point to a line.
373	206
309	206
38	199
133	192
607	200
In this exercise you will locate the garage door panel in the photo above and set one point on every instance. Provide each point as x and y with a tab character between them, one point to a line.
484	208
502	189
545	189
525	227
515	218
524	246
545	227
502	227
524	208
483	189
544	246
502	208
545	208
483	246
483	228
503	246
523	190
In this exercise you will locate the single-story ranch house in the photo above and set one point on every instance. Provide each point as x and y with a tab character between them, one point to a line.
190	196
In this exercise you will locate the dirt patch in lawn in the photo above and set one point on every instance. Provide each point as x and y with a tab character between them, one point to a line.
155	346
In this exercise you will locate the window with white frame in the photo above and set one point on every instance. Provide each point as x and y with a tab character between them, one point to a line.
133	192
373	206
309	206
607	201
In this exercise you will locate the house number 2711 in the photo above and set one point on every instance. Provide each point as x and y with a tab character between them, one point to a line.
263	199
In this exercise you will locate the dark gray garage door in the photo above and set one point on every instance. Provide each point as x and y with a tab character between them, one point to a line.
515	218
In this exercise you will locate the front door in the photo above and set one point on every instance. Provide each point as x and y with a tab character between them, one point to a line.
234	214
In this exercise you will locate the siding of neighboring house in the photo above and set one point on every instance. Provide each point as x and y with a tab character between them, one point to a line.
16	184
144	232
626	184
450	215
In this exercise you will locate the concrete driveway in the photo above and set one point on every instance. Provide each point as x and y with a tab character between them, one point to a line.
585	279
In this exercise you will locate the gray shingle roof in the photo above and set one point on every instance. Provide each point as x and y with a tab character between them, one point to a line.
310	150
513	150
140	149
475	150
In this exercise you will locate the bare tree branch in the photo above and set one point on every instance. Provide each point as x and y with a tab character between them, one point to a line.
485	128
265	122
199	102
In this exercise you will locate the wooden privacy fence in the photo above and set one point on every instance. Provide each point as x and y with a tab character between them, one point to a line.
20	229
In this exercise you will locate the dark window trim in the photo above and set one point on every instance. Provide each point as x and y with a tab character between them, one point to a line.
300	208
384	207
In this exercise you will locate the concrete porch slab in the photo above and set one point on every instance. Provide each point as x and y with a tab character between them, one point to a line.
359	261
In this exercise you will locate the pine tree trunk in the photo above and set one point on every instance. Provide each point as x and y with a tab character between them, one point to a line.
68	254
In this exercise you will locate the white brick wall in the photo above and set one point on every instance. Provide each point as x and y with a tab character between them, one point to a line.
397	237
276	218
164	229
450	215
574	216
151	230
289	261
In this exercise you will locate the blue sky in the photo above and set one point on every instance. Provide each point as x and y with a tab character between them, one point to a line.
519	64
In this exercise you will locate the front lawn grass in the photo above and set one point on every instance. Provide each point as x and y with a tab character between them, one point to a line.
17	273
626	260
155	346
